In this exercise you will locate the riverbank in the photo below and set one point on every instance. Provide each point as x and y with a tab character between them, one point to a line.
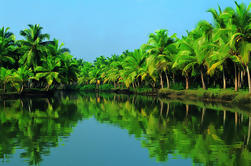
210	95
229	96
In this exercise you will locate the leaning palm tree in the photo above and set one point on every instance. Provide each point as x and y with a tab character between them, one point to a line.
33	45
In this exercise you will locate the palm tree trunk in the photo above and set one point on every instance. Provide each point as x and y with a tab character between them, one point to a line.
114	83
161	81
21	90
224	80
249	81
167	81
242	73
4	87
235	79
202	80
173	79
239	79
187	83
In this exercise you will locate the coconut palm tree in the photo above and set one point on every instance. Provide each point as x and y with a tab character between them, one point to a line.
68	69
4	77
49	71
19	78
194	50
33	45
7	40
240	26
161	47
131	67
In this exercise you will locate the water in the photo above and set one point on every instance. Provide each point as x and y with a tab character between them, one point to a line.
106	129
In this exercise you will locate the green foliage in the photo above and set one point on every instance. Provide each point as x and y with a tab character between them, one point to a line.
90	87
211	55
177	86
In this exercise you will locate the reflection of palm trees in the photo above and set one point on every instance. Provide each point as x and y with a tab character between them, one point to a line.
161	107
187	109
202	115
249	128
167	109
236	119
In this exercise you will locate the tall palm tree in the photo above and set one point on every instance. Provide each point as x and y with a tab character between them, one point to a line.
33	45
240	25
162	48
7	40
194	51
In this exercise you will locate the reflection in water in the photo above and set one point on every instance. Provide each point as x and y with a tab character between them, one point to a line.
208	137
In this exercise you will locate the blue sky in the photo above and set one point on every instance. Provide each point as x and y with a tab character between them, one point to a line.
90	28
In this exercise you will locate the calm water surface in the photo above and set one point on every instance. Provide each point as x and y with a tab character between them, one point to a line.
120	130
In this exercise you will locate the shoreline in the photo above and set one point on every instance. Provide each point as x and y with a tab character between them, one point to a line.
227	97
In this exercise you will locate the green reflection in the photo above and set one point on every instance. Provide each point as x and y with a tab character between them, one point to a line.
207	136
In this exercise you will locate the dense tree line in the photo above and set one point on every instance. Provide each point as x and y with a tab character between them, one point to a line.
35	61
213	54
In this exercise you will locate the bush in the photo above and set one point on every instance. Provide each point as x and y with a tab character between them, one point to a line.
88	87
105	87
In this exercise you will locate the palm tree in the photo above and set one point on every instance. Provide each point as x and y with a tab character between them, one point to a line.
33	45
49	71
162	48
194	51
84	76
68	69
240	25
20	77
4	77
132	66
56	49
7	40
111	72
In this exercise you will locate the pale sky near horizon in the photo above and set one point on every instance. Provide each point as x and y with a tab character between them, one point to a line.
91	28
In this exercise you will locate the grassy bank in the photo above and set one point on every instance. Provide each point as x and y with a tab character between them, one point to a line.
242	97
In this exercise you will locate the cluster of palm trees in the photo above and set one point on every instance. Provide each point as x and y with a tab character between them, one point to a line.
34	62
213	54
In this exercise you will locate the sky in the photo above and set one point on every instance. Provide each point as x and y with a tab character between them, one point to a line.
91	28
